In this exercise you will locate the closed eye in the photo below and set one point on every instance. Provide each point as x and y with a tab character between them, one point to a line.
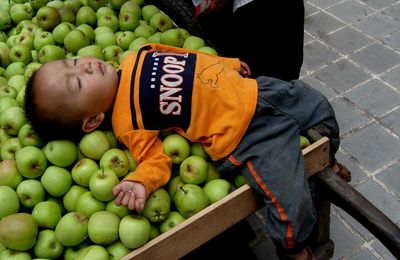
74	62
79	82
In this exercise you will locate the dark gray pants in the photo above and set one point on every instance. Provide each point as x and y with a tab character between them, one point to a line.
270	157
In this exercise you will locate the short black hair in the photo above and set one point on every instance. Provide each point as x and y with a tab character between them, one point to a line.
49	126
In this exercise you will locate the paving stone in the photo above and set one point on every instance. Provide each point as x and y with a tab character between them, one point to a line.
321	23
370	95
378	25
372	147
390	177
377	58
378	4
324	3
393	77
364	254
381	199
383	251
351	11
345	242
320	86
310	9
347	40
307	38
342	75
348	116
317	55
392	121
393	40
393	11
356	173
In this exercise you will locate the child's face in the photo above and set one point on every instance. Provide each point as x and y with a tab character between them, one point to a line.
87	86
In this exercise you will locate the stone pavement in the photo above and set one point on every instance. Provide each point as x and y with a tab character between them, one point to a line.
352	54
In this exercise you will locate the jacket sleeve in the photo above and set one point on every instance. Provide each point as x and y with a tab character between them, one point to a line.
233	63
154	166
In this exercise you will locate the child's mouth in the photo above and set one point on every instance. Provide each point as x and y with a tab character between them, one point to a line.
101	67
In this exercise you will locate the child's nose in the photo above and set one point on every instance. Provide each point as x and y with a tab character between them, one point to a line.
87	68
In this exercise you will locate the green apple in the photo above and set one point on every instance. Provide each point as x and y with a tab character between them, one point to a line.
134	231
18	231
82	170
101	184
75	40
116	160
3	135
12	40
103	227
30	192
87	15
61	30
47	214
33	66
9	202
72	229
128	21
155	38
48	17
93	252
71	197
94	144
6	102
96	4
172	37
12	119
157	206
131	7
193	170
104	10
212	172
184	32
148	11
15	68
4	55
154	232
217	189
190	199
57	4
88	31
5	20
110	21
50	53
145	30
174	218
56	180
47	246
111	138
138	43
161	21
176	147
8	92
209	50
120	210
239	180
125	54
9	148
36	4
25	38
20	12
91	51
31	161
304	142
88	205
105	39
193	43
42	39
117	250
9	254
74	5
112	53
17	81
9	174
198	149
61	153
174	185
102	29
27	136
71	253
66	15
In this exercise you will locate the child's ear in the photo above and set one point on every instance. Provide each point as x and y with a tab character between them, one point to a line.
91	123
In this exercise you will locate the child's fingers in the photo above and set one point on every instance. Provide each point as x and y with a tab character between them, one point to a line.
119	198
125	199
117	190
132	199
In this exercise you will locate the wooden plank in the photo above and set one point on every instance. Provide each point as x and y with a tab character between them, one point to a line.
221	215
202	226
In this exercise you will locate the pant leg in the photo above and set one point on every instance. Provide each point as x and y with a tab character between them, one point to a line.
270	157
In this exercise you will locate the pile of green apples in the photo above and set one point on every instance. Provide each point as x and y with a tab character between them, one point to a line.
56	198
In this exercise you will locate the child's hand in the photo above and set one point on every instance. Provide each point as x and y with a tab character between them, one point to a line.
131	194
244	69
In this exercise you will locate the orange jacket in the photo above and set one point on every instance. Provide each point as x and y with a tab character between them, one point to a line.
200	96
